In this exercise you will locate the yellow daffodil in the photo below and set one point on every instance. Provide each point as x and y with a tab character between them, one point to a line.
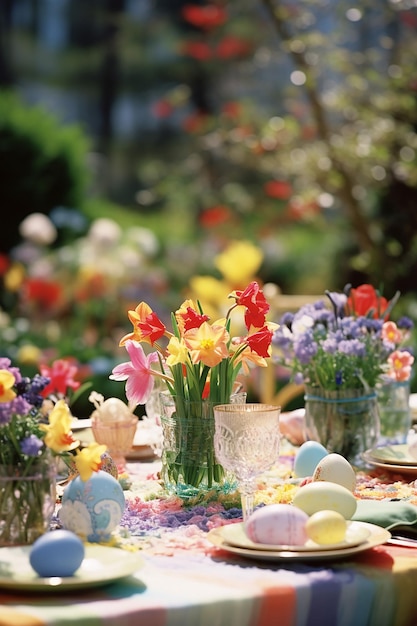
177	352
207	344
88	460
58	432
7	380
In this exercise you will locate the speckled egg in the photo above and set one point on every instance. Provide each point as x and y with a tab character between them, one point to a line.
336	469
277	524
56	553
92	509
323	495
307	457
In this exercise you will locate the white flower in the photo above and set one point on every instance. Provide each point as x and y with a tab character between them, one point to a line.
38	228
301	325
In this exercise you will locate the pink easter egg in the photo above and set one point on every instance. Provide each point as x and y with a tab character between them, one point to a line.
277	524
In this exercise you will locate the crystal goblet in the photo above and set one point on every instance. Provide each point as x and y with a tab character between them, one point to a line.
246	441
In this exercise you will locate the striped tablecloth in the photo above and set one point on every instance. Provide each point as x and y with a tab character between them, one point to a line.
183	580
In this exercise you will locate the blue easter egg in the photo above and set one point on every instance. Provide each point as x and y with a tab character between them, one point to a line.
92	509
307	457
56	553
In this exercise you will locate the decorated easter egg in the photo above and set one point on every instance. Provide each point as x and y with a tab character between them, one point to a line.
56	553
324	495
307	457
336	469
277	524
92	509
326	527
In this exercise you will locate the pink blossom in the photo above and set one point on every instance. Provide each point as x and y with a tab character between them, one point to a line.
400	362
137	372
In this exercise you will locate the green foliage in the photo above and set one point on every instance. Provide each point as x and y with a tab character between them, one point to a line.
43	164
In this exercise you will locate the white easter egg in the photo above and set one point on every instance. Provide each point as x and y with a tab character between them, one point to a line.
307	457
277	524
324	495
336	469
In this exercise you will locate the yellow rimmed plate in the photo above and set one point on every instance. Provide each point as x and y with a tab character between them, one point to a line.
376	536
101	565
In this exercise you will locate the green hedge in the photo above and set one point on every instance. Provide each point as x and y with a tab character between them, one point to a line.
42	164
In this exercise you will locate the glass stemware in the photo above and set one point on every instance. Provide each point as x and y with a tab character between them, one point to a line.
246	441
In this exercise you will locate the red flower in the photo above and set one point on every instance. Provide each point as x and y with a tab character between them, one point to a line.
232	47
192	319
152	328
197	50
162	109
365	300
278	189
206	17
215	215
4	264
194	123
61	375
260	341
42	292
256	305
231	109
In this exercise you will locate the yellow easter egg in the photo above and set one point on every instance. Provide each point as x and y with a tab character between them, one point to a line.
326	527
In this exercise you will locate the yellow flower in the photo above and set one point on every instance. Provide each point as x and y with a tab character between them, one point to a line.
7	380
239	262
211	293
14	277
207	344
177	352
58	432
29	354
88	460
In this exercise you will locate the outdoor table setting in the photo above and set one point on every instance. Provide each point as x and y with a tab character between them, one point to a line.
207	510
169	561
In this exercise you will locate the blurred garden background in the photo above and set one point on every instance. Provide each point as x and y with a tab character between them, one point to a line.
162	149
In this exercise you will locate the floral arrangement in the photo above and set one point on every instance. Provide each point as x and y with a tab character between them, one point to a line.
200	365
34	430
201	360
347	343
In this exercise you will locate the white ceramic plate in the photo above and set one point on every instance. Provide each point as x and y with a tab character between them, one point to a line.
377	536
397	454
235	534
101	565
405	470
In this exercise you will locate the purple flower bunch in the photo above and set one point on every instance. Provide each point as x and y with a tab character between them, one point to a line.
20	435
326	347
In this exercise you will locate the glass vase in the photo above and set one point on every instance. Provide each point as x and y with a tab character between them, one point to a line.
345	422
394	411
27	502
189	465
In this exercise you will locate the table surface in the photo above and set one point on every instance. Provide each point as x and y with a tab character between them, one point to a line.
183	579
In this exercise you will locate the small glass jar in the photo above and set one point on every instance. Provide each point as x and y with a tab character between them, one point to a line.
394	411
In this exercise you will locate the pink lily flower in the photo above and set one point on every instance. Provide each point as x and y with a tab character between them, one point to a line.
137	372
